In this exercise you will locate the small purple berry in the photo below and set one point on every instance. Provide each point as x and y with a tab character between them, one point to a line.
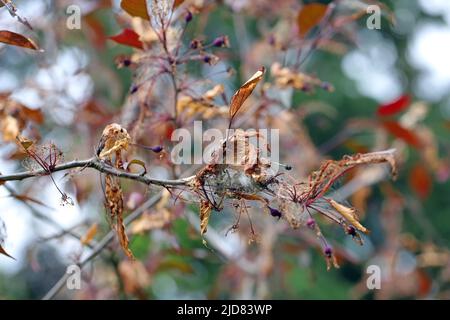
328	251
351	231
126	62
207	59
134	89
275	212
311	223
188	17
157	149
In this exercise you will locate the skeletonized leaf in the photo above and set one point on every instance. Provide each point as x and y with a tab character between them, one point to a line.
3	252
129	38
89	235
18	40
245	91
349	214
136	8
310	16
205	212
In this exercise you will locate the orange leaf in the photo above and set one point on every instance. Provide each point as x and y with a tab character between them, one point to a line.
245	91
136	8
310	16
16	39
177	3
400	132
129	38
89	235
2	251
420	181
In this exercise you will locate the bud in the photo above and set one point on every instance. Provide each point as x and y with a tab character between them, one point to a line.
221	41
275	212
188	16
351	231
195	44
207	59
311	223
134	89
328	251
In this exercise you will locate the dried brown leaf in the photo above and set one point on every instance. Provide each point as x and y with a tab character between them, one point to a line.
244	92
349	214
16	39
114	139
152	221
135	277
3	252
205	212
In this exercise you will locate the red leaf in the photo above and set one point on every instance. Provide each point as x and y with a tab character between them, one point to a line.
420	181
395	106
400	132
129	38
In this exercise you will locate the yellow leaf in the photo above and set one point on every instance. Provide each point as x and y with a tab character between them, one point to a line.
244	92
205	212
310	16
3	252
9	127
89	235
349	214
16	39
24	142
136	8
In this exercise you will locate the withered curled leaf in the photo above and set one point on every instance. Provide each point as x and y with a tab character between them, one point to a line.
3	252
18	40
245	91
114	139
205	212
349	214
137	162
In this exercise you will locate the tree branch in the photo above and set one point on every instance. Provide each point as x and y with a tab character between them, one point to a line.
98	165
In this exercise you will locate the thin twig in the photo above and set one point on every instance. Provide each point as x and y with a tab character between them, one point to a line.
100	166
